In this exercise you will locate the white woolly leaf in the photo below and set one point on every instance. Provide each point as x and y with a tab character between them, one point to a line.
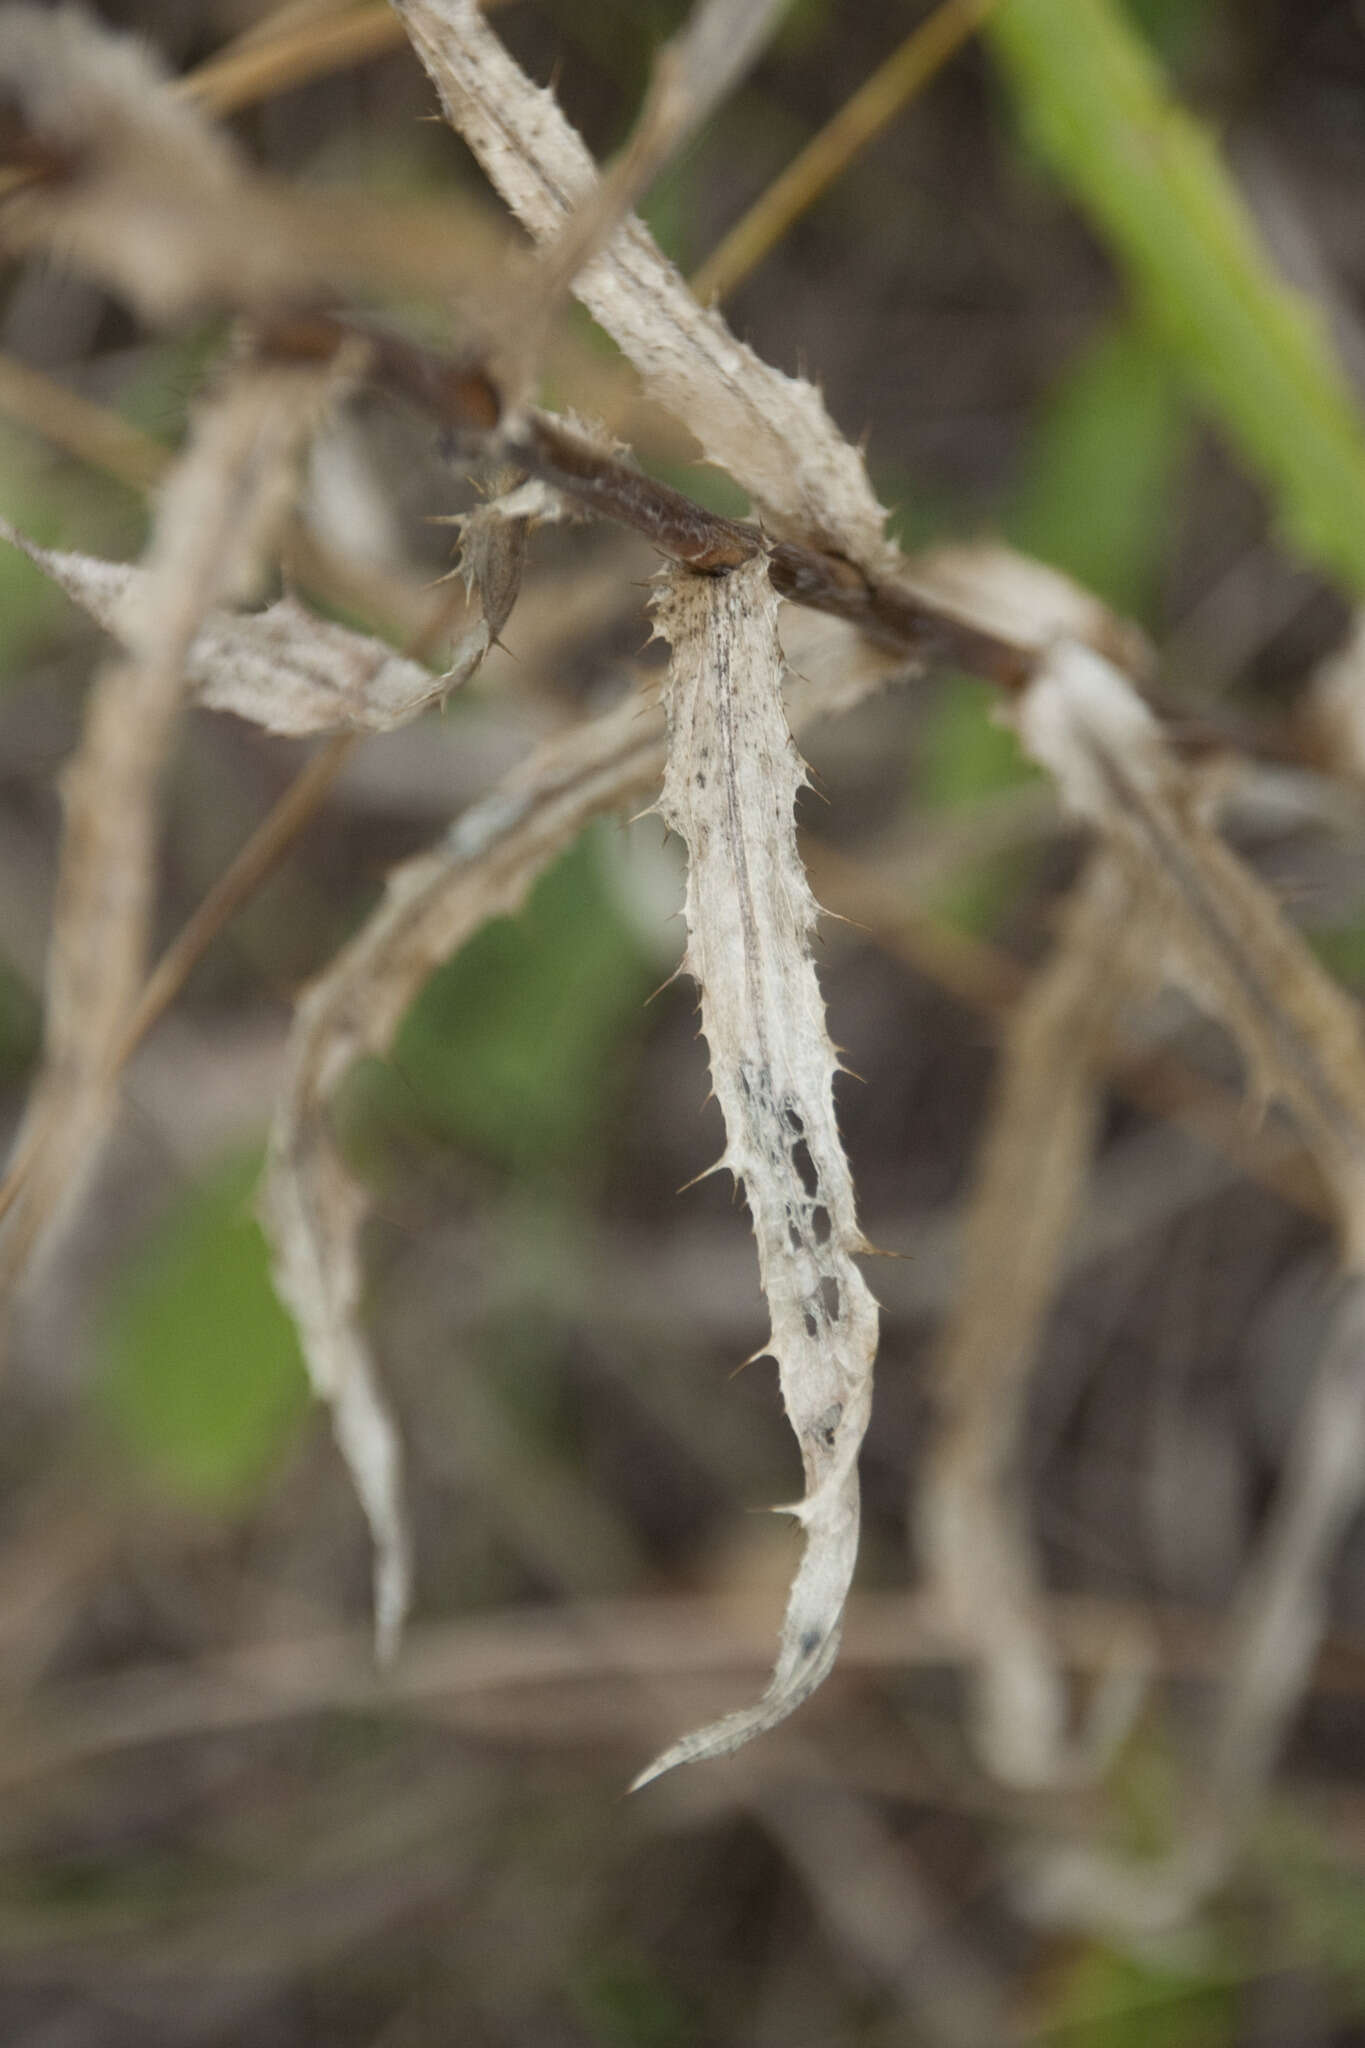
729	791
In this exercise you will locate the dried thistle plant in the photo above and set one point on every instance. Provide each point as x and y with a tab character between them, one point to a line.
119	178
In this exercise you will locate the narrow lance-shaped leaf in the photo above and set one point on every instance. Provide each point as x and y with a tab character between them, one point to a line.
1155	185
312	1207
484	867
730	791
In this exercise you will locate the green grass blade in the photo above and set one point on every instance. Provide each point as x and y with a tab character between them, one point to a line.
1096	104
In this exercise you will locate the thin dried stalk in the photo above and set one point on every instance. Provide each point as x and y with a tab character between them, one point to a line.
826	157
217	510
730	791
1035	1160
312	1209
1272	1640
864	1889
1223	940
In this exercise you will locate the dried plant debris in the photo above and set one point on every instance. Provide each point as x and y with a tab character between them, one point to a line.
484	867
116	172
1035	1161
771	432
1271	1642
312	1208
297	674
730	791
285	668
218	509
1218	934
1224	940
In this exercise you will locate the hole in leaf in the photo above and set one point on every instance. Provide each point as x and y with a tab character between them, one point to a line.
820	1224
829	1295
805	1167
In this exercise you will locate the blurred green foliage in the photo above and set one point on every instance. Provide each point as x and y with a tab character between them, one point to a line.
516	1046
32	609
1095	102
21	1024
1094	495
203	1382
1107	1999
625	2003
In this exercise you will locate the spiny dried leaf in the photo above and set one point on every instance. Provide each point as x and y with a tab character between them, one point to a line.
285	668
311	1207
225	492
730	791
1034	1162
1223	938
771	432
692	74
483	868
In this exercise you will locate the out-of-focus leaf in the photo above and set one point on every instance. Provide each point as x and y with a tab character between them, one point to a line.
965	755
204	1382
1095	491
625	2003
514	1047
1095	100
1108	2000
31	611
1174	28
21	1024
1341	949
